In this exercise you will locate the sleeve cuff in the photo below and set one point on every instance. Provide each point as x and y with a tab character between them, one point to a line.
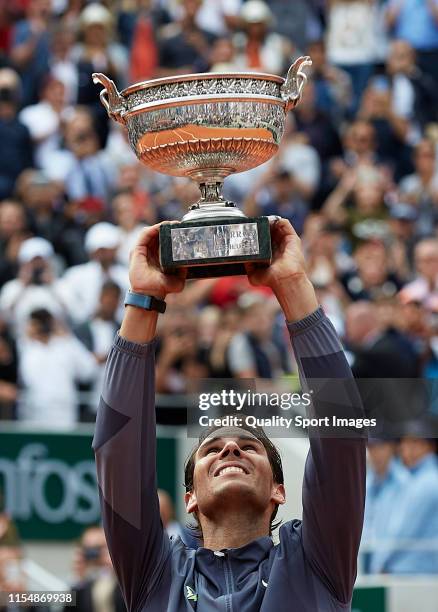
132	348
312	319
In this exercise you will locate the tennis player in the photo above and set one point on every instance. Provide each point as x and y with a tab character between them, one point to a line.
234	480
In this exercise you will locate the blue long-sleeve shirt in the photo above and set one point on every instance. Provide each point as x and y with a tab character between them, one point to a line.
414	528
382	504
312	569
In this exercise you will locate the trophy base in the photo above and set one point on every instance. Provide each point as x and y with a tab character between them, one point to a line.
210	248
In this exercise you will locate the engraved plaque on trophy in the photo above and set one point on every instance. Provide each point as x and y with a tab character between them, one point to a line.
206	127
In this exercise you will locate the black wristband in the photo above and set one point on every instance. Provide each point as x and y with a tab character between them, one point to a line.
147	302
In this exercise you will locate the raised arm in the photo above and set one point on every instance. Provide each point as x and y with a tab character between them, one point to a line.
334	479
334	476
125	438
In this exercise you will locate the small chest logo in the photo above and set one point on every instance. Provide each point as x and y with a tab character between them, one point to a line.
190	594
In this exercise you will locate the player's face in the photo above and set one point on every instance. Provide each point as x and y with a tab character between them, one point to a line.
233	470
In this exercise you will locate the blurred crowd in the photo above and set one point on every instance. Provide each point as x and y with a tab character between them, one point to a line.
356	174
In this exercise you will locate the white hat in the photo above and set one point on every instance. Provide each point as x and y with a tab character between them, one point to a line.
34	247
256	11
102	236
95	13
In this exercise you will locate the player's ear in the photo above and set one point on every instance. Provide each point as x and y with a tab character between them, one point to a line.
191	502
278	494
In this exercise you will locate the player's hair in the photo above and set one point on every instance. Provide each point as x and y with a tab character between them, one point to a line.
274	460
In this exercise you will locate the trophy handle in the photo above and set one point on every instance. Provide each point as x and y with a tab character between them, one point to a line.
110	97
293	85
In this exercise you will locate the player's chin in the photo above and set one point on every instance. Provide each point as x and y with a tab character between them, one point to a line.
238	483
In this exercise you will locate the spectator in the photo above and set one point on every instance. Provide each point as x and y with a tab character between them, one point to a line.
299	21
424	288
414	322
47	215
416	520
218	349
30	48
357	203
219	16
333	87
43	120
386	481
416	23
376	351
97	334
317	126
224	57
172	202
258	48
184	46
360	145
97	588
299	158
178	352
402	238
15	143
420	189
90	172
62	66
167	514
138	26
279	193
252	352
82	284
35	287
97	52
392	131
353	40
413	92
13	230
51	362
8	378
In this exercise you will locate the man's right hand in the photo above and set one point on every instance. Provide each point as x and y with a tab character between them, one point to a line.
145	274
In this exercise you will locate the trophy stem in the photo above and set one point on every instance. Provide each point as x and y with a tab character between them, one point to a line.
211	192
212	203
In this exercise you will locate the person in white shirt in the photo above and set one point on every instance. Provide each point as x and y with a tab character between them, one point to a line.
219	16
354	40
97	335
82	284
43	120
51	362
35	287
259	49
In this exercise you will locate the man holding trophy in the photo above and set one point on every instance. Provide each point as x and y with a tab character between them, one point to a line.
234	479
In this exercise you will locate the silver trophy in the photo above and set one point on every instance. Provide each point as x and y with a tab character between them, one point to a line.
207	126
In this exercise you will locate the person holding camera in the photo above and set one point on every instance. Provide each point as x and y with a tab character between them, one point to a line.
34	287
16	148
52	362
96	589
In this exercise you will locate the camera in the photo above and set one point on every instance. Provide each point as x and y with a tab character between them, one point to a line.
37	277
8	95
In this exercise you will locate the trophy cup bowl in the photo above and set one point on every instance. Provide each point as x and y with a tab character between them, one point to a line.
207	126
